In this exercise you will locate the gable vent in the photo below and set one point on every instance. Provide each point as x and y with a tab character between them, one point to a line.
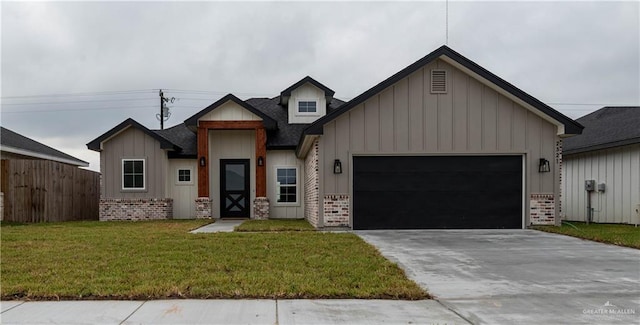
438	81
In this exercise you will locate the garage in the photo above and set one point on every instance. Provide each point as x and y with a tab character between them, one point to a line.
437	192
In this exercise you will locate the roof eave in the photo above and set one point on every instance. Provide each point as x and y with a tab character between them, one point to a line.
24	152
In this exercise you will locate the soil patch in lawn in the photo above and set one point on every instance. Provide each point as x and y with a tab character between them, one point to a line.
160	259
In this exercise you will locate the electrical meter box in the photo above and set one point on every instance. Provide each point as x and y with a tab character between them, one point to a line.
601	187
590	185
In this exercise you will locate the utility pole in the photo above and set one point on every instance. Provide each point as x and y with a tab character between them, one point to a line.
161	110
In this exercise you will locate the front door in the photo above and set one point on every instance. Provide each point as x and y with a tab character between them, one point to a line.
234	188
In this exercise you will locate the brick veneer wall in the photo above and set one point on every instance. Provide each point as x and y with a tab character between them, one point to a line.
542	209
136	209
261	208
559	164
204	206
336	210
311	187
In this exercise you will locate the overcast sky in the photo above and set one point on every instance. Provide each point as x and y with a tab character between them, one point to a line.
71	71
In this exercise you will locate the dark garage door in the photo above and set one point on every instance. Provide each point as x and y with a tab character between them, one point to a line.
425	192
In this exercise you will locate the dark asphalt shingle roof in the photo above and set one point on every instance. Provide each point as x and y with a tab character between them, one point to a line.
287	135
606	128
12	139
181	136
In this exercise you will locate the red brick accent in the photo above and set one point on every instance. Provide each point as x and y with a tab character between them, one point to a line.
203	208
542	209
336	210
311	186
261	208
136	209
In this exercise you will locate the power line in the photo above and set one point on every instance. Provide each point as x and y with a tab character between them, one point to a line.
78	109
94	93
78	101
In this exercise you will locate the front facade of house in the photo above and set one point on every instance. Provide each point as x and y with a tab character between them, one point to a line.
441	144
607	154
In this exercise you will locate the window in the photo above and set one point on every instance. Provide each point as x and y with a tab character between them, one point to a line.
307	106
287	184
133	174
184	176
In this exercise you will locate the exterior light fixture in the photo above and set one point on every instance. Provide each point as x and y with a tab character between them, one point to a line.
337	166
260	161
544	166
203	161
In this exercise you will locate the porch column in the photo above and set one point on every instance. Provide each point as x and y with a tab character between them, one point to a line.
203	153
261	171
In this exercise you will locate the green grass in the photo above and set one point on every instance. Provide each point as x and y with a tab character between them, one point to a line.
616	234
274	225
158	260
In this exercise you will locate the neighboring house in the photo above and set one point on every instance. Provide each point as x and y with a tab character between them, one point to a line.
607	153
40	183
443	143
16	146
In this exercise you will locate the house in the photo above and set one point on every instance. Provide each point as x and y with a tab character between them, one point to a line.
443	143
606	157
40	183
17	146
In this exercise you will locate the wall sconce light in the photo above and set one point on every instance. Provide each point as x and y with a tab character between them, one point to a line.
544	166
337	166
260	161
203	161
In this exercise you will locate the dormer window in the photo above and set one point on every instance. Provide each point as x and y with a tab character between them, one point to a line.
308	106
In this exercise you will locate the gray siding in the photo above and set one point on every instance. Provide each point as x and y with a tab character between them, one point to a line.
470	119
618	169
133	143
284	158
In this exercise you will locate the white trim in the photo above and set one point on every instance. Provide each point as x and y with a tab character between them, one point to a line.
178	181
315	100
43	156
277	185
144	175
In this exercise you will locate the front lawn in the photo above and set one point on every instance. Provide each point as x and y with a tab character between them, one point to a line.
616	234
157	260
275	225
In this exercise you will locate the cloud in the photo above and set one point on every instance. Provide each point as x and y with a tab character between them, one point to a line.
560	52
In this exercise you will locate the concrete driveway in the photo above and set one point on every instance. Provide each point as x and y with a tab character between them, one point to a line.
518	276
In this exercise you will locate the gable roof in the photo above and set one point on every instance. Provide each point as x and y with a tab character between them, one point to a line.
570	126
606	128
286	136
184	138
18	144
96	144
269	123
285	94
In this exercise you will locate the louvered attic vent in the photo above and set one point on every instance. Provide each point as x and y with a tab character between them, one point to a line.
438	81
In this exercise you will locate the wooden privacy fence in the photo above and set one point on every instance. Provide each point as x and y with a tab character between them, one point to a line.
44	190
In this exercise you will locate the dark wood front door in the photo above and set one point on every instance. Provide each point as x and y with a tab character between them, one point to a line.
234	188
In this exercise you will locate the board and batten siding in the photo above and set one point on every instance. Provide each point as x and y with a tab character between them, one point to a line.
133	144
619	169
230	144
284	158
230	111
471	118
183	194
306	92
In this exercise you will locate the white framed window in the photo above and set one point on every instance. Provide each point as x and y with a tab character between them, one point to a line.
308	106
287	185
133	174
184	176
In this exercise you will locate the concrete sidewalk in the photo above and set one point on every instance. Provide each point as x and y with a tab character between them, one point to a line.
220	225
330	311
